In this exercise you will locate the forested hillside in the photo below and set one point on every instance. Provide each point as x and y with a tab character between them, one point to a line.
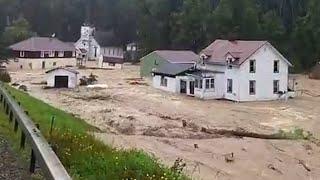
293	26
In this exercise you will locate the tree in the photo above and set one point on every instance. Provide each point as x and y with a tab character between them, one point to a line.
306	36
154	24
237	19
18	31
190	25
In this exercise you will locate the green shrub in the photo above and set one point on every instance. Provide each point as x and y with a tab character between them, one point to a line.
295	134
5	76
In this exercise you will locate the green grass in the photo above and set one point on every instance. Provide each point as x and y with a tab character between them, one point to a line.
84	156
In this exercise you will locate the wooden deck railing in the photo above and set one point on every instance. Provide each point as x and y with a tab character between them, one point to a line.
41	151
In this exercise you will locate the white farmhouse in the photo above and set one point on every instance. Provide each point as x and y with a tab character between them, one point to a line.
238	71
62	78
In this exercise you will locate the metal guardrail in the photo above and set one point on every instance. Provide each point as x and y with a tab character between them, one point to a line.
41	150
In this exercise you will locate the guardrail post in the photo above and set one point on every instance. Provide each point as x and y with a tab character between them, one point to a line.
22	140
7	109
15	129
10	117
33	157
32	162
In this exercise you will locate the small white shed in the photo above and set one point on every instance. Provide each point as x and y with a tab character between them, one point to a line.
62	78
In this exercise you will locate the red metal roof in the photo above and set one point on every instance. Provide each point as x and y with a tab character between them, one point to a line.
241	50
42	44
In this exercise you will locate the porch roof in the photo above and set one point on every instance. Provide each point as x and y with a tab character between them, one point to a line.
204	73
173	69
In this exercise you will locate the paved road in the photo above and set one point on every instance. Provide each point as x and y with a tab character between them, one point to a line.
10	167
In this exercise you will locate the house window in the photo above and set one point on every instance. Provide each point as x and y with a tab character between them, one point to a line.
229	86
200	84
252	66
212	83
276	66
207	83
164	81
155	62
60	54
95	51
196	83
229	61
112	64
252	87
51	53
21	53
275	86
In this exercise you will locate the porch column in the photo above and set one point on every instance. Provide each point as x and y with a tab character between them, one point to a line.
203	87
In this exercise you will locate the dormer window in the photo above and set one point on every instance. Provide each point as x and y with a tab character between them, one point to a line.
229	61
252	68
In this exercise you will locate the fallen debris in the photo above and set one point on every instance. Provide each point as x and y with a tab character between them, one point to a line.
84	81
184	123
15	84
229	158
166	117
196	146
137	83
134	79
304	165
239	132
23	88
277	148
178	165
271	166
126	130
97	86
93	97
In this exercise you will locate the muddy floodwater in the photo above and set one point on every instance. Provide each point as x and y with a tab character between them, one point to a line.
132	114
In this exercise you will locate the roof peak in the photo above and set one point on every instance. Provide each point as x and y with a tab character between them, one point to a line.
240	40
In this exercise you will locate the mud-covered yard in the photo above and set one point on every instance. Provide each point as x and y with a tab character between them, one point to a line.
131	114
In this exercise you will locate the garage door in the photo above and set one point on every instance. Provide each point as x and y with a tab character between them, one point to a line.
61	81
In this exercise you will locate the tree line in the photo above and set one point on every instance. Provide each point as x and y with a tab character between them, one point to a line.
292	26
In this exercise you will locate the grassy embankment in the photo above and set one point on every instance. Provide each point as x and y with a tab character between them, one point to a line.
83	155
